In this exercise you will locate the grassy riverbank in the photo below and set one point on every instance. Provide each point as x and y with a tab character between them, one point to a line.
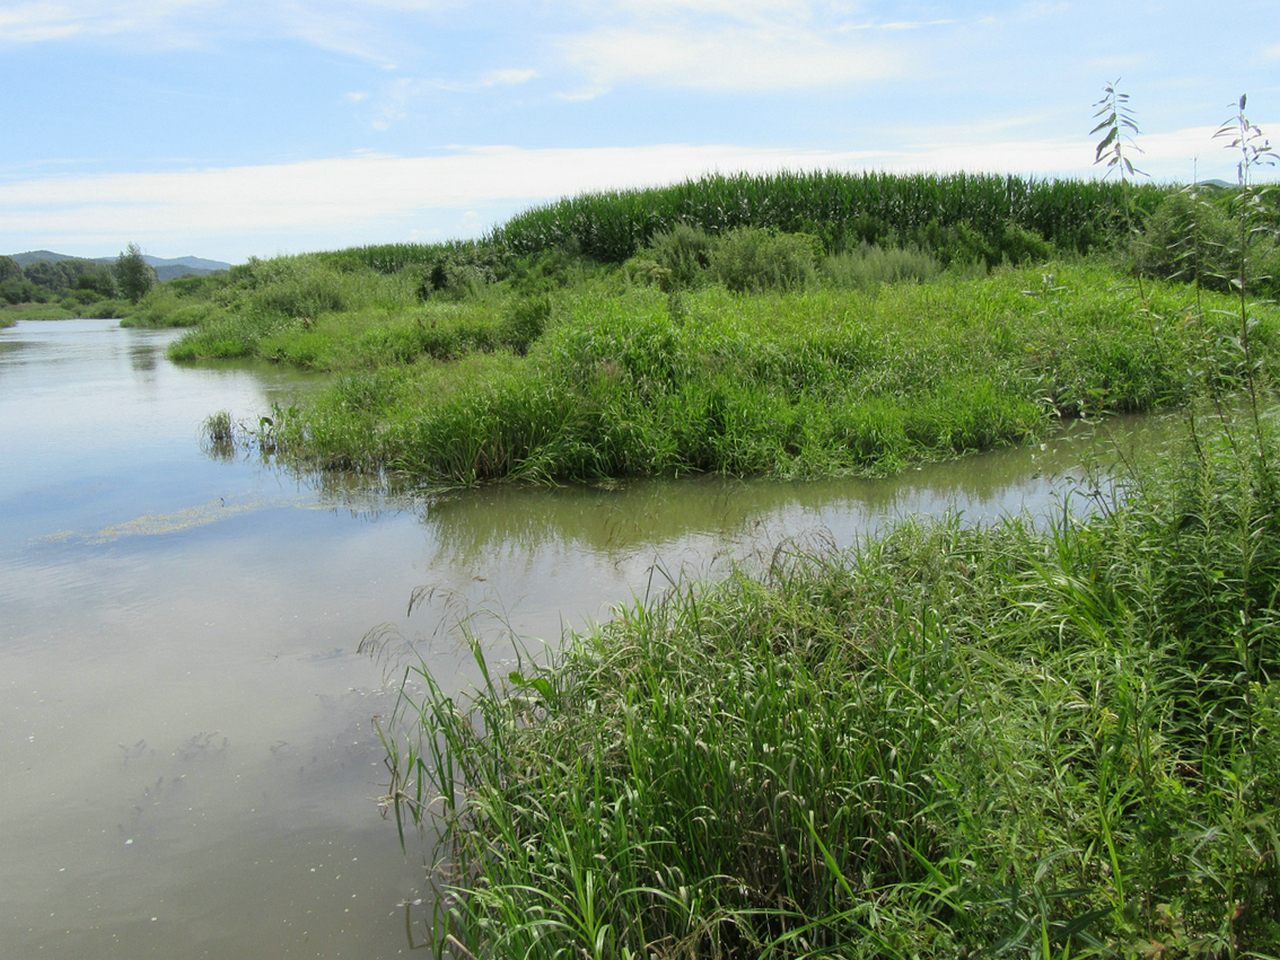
631	381
1028	740
100	309
790	326
950	742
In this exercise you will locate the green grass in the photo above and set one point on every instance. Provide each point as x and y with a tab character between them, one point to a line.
1035	740
690	329
816	382
100	309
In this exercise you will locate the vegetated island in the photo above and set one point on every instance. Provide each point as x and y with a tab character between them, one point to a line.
1012	740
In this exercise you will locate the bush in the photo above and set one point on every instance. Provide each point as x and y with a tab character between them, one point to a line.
1188	238
958	244
684	252
525	322
1019	245
749	260
867	266
461	272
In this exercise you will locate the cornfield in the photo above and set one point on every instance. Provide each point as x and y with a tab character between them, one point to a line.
873	207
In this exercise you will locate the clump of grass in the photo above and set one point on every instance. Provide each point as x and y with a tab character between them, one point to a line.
219	435
684	252
747	259
165	307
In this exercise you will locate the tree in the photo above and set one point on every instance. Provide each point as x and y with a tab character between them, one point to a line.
9	269
134	275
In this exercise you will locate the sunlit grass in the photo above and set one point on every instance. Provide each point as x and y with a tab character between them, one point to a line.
813	383
949	741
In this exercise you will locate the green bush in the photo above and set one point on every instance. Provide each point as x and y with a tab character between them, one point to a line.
461	272
1019	245
749	259
867	266
525	322
684	252
1188	238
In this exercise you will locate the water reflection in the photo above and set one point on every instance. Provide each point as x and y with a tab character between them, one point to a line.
143	356
614	520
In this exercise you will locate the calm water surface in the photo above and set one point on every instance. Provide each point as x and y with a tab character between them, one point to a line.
190	765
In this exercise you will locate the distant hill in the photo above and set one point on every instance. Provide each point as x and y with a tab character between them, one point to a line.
166	269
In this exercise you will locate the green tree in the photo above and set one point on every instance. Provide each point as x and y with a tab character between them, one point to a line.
9	269
134	275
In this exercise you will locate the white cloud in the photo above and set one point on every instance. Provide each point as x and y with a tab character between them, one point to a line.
34	22
342	26
498	78
494	78
746	11
729	59
235	212
46	21
339	202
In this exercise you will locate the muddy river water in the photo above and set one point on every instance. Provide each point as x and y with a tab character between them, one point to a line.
188	763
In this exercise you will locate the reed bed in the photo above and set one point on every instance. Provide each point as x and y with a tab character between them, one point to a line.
1024	739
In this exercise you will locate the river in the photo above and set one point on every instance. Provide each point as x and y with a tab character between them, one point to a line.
190	763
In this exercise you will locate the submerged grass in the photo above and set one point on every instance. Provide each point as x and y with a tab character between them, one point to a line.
1016	739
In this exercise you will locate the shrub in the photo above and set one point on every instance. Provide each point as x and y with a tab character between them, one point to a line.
1187	238
867	265
751	259
684	252
1019	245
525	322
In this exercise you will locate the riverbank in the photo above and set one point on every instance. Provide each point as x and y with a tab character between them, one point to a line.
625	380
783	326
98	310
945	741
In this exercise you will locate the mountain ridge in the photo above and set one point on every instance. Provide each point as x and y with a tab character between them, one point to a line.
167	268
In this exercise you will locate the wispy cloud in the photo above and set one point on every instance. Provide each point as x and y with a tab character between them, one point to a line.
760	12
748	46
42	22
341	201
494	78
341	26
728	58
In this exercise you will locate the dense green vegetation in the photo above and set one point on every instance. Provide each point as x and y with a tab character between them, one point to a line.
78	282
1035	739
11	313
72	287
1016	740
632	382
685	329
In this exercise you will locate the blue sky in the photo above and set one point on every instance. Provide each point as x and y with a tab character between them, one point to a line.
227	129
